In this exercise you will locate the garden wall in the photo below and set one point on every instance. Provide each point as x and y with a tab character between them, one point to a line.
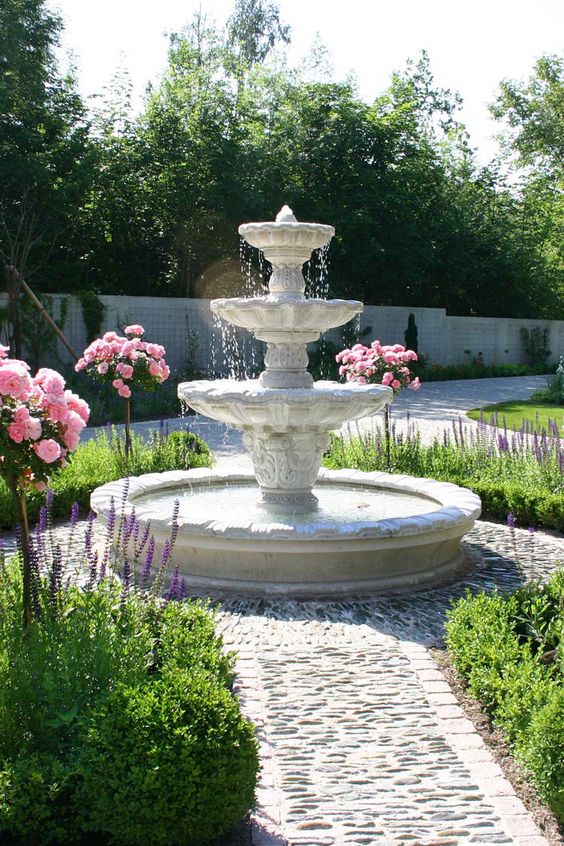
189	332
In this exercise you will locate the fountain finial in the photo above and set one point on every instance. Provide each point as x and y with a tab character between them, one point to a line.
286	215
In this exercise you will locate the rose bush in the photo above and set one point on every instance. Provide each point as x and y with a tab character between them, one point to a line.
125	363
41	426
382	365
386	365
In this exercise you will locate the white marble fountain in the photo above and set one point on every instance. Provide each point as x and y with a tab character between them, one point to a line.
289	528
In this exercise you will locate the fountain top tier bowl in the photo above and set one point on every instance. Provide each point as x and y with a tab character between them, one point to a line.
287	243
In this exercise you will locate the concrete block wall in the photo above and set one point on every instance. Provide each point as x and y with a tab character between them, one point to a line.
187	326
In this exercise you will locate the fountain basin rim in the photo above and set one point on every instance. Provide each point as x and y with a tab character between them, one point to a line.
456	512
252	391
286	225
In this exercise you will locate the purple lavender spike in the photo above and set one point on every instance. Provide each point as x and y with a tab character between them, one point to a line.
144	538
42	524
511	521
126	577
174	524
93	569
502	443
174	585
146	571
74	514
165	555
56	575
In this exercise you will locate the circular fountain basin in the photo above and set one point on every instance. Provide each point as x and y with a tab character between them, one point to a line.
372	532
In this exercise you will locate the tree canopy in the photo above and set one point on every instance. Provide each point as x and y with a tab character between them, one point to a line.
150	204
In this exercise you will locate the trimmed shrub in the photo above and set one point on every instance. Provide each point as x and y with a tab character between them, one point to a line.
168	762
117	718
509	651
38	801
542	751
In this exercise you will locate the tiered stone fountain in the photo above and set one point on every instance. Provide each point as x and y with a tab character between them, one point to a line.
357	531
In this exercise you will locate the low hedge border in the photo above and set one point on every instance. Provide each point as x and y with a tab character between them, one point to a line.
508	648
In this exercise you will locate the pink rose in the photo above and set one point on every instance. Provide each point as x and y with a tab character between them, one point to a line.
71	438
80	364
124	391
154	369
387	378
4	351
75	422
117	384
134	329
156	350
17	432
415	385
77	404
14	379
102	368
396	385
48	450
127	371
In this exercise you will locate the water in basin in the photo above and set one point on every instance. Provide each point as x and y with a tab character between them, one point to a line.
237	503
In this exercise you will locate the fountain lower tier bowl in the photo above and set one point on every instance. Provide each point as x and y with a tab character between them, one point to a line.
250	405
372	532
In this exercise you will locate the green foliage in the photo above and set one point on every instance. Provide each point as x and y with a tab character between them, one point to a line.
535	341
102	460
169	761
448	372
554	391
93	313
509	651
150	204
116	718
506	481
38	801
410	334
541	750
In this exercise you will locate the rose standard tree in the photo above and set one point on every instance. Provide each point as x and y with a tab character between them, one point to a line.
41	426
383	365
125	363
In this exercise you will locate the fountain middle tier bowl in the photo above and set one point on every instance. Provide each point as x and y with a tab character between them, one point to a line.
249	405
266	315
372	532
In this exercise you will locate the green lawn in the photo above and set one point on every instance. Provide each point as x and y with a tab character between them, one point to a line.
537	414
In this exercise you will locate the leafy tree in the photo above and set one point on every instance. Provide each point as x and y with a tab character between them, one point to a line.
534	145
534	112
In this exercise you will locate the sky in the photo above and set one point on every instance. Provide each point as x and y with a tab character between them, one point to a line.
472	45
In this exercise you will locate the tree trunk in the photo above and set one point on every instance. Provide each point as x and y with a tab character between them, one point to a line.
387	437
127	428
13	286
21	510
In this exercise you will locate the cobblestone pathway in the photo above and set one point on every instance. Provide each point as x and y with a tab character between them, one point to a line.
363	741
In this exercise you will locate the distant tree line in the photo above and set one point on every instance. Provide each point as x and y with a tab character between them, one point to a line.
150	204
